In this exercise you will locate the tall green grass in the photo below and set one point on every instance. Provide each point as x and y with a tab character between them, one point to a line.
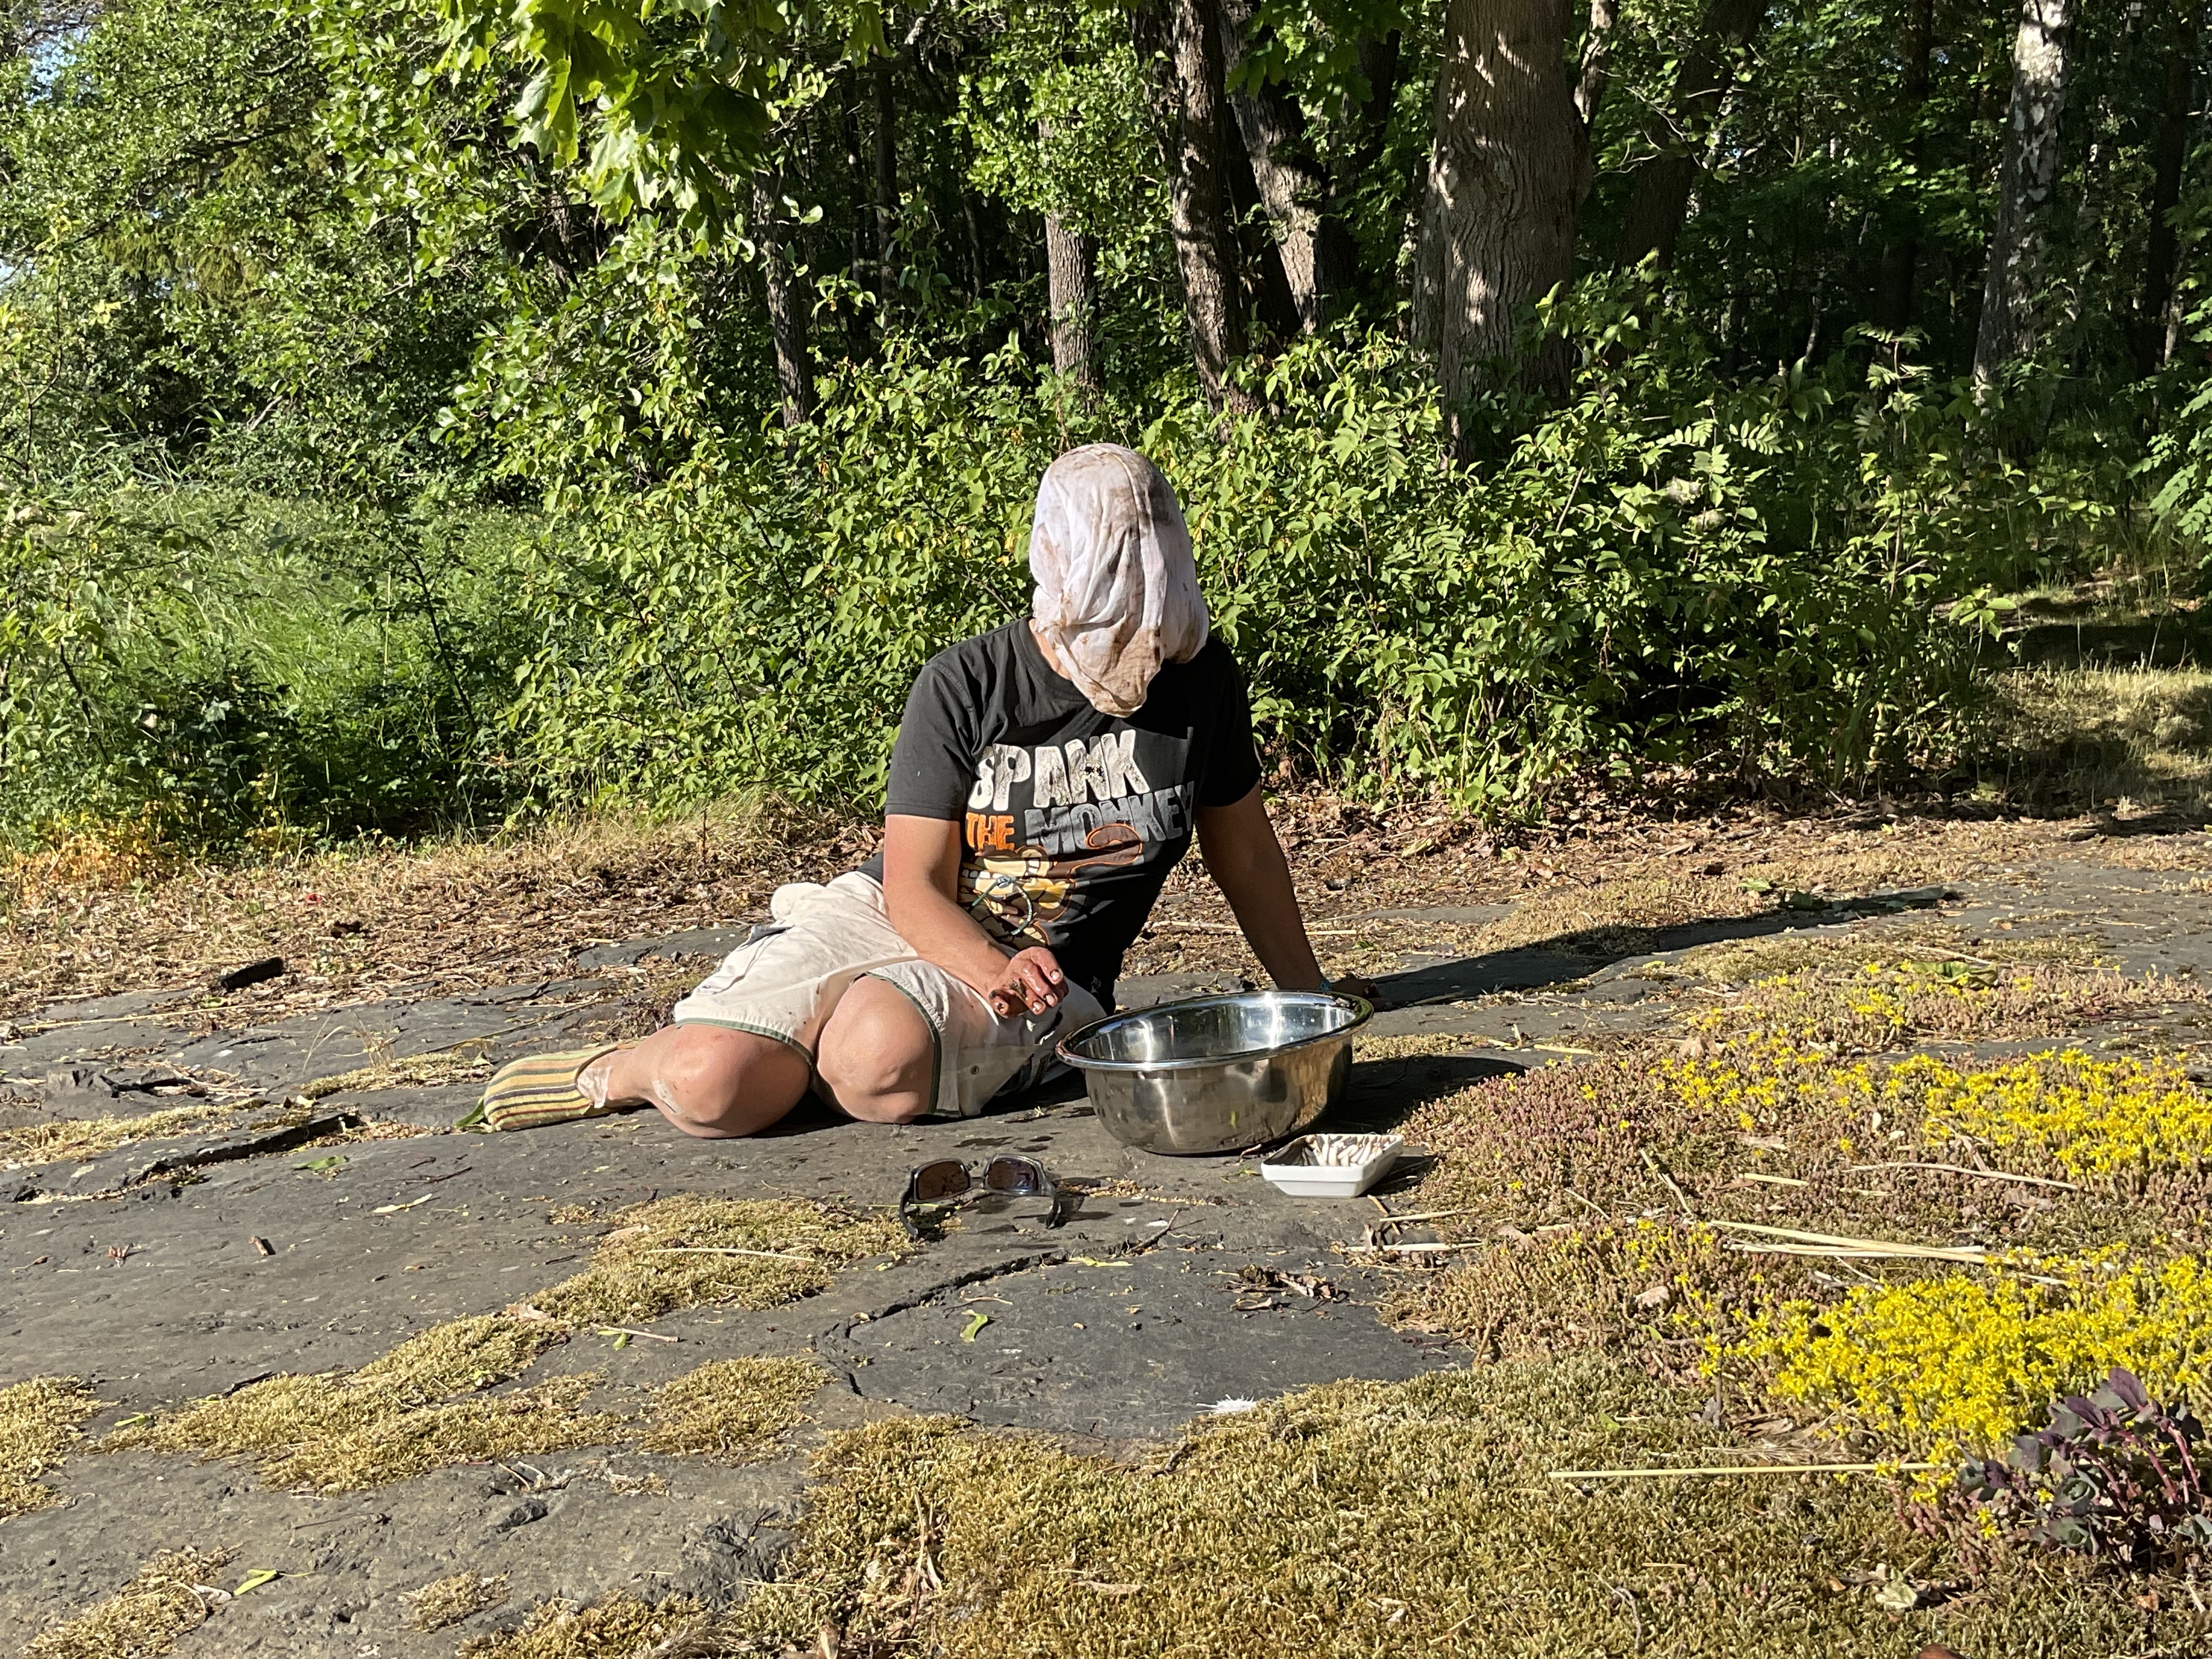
229	667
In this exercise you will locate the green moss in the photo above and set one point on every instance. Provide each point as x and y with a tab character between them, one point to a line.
688	1250
732	1410
1369	1518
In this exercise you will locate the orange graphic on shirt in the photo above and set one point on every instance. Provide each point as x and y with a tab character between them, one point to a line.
1018	892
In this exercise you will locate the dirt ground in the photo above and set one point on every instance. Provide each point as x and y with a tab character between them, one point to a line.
303	1205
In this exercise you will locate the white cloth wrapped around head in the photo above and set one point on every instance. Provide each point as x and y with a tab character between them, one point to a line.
1116	591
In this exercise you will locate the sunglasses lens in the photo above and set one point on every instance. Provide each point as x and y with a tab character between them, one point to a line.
1015	1174
944	1179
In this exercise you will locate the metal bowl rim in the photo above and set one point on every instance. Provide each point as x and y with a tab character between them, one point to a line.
1362	1012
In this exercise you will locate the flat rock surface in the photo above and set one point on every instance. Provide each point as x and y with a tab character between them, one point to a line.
171	1269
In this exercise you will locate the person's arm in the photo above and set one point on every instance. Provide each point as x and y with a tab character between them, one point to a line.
921	875
1246	862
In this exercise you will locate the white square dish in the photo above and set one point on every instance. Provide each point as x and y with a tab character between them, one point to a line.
1331	1166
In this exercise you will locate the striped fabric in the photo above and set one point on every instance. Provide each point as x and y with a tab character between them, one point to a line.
532	1092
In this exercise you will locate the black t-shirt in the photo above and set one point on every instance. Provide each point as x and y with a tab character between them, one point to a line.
1072	818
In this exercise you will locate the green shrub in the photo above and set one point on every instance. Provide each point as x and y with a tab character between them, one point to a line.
1788	579
229	667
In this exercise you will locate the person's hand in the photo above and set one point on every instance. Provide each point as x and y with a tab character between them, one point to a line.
1355	985
1030	982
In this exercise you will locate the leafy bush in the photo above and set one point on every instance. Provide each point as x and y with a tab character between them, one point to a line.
1784	580
1788	579
228	667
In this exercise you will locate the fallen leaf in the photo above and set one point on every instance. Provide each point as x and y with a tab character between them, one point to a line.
976	1322
255	1580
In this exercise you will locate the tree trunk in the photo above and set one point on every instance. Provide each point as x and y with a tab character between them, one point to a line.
1074	299
2169	151
786	306
2024	175
975	231
1596	61
1198	196
1370	123
1900	254
1293	188
886	182
1593	76
1498	224
1072	293
1659	189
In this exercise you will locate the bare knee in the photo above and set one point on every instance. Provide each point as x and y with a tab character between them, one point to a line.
714	1083
877	1056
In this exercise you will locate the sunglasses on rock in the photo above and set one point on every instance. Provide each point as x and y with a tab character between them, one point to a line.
948	1181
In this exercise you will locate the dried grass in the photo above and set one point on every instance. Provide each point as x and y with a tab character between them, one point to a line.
1655	1292
1415	1045
446	1601
395	1418
617	1626
78	1139
361	924
732	1410
1366	1518
1600	890
464	1063
38	1422
370	923
1744	961
663	1255
144	1620
2139	734
1882	1006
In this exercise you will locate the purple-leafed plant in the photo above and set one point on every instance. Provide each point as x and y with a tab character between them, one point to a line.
2116	1475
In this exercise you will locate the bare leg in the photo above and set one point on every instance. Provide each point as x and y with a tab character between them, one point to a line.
708	1080
877	1055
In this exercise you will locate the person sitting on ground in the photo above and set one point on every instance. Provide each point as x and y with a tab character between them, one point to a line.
1047	777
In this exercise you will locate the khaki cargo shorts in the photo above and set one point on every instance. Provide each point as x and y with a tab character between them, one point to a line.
787	981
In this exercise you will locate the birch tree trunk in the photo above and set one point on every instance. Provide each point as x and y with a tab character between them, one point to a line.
1659	192
1198	196
786	306
2024	175
1498	223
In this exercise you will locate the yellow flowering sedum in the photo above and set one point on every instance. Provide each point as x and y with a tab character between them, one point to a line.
1964	1362
2096	1118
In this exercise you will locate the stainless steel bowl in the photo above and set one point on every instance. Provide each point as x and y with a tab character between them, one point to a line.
1217	1074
